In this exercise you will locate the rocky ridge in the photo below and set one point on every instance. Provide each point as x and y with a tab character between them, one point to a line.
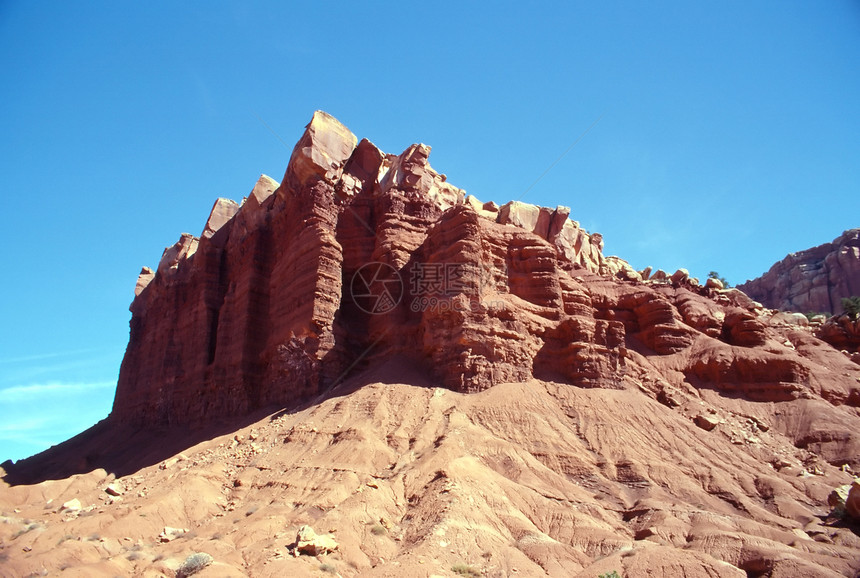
814	280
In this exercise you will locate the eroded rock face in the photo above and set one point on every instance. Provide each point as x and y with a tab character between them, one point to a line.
359	256
253	312
608	420
814	280
842	332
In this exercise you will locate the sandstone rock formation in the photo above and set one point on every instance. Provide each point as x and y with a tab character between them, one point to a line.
258	310
814	280
359	256
842	332
444	383
264	308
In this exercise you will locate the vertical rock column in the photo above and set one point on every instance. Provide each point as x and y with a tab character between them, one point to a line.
305	282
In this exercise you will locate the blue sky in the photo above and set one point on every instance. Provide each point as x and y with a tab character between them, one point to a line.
728	137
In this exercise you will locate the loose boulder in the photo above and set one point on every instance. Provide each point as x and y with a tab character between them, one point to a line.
312	544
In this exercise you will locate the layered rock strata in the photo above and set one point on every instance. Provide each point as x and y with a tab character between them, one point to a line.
812	281
610	420
358	256
253	312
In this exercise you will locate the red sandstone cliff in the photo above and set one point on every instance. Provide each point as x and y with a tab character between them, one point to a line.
814	280
601	419
254	313
360	256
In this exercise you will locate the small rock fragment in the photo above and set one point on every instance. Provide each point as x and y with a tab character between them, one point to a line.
169	534
712	283
168	463
706	422
73	505
680	276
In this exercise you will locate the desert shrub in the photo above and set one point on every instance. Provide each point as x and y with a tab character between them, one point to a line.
465	570
378	530
24	530
330	568
851	306
612	574
721	279
838	512
193	564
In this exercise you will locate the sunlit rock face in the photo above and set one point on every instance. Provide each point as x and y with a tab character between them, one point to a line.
359	256
812	281
450	386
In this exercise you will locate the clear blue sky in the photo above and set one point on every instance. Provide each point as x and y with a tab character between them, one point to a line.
729	137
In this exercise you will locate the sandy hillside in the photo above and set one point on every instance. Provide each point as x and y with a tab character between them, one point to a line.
532	479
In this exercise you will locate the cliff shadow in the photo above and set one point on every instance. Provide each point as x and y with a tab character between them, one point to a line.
119	449
122	449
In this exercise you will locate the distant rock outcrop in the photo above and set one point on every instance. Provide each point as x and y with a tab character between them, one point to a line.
814	280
